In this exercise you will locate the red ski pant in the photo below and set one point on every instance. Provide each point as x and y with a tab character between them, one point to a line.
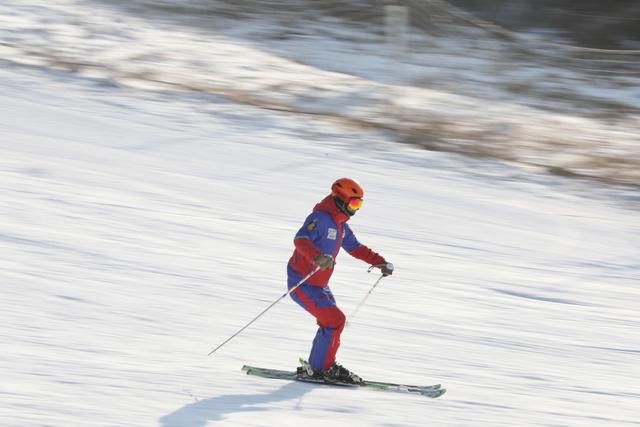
330	319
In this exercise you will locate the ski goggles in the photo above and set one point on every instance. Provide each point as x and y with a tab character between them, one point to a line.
354	204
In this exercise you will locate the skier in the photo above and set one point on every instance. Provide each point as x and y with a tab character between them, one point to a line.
317	244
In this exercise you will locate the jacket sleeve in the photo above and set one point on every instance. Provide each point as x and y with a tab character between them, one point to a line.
357	250
308	233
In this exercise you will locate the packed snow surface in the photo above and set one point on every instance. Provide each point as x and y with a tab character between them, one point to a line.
138	231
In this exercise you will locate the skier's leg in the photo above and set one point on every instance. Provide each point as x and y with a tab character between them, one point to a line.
320	303
331	322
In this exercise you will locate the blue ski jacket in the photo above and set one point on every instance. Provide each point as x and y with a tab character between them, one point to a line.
325	231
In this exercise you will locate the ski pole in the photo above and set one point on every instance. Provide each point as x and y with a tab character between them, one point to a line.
293	288
363	300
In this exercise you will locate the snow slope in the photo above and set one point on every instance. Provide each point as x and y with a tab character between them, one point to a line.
138	231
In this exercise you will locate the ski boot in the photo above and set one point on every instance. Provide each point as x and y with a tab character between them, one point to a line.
305	371
339	374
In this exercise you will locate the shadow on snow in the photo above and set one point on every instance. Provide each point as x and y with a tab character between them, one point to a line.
199	413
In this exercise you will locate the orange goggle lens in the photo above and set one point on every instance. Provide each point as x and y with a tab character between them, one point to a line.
354	204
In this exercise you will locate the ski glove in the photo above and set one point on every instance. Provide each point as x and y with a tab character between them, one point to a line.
323	261
386	268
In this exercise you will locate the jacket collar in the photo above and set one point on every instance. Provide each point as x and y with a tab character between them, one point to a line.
329	205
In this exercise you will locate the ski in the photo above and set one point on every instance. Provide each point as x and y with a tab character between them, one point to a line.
432	391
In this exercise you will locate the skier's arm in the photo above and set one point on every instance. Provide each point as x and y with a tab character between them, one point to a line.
360	251
304	238
306	248
367	255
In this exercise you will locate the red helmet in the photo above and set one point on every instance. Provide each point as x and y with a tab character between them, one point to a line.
346	188
348	195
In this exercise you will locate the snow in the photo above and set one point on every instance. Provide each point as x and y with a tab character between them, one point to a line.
141	228
139	232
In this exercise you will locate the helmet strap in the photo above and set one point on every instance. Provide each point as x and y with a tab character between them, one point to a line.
342	206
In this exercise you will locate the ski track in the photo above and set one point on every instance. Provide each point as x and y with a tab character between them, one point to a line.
138	231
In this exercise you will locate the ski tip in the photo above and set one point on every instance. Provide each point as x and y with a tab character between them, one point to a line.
436	393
